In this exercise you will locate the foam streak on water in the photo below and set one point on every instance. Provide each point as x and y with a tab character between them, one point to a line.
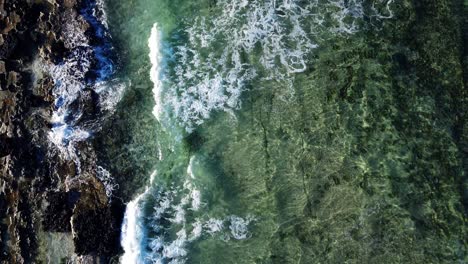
132	232
245	42
154	44
148	238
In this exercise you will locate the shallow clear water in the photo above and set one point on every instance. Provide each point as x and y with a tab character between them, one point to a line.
279	132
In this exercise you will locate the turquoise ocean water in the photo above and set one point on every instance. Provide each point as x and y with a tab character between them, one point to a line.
289	131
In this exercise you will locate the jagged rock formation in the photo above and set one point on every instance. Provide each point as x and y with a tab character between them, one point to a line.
34	199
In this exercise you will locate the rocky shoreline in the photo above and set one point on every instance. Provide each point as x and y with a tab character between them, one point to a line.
398	185
43	193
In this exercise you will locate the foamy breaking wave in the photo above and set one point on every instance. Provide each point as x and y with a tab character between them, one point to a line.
172	220
133	232
154	43
166	248
173	206
79	78
251	41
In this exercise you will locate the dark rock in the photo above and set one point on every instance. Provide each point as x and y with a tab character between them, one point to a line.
9	44
59	211
5	146
35	177
97	231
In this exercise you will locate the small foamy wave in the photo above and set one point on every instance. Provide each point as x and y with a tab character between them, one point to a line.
250	41
133	232
154	44
172	221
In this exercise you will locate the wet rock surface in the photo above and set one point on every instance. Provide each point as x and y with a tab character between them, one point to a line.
40	190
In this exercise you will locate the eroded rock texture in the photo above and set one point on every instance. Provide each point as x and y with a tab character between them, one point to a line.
40	190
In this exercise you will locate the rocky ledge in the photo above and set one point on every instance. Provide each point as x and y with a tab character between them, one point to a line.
43	194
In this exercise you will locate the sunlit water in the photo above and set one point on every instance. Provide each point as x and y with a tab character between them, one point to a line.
244	153
201	65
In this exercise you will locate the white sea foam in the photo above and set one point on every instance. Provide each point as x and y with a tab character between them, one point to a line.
107	180
281	35
68	78
190	168
176	249
195	195
179	215
172	205
110	93
387	13
197	230
73	34
204	85
70	83
239	227
213	226
343	11
154	44
133	232
99	11
153	177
